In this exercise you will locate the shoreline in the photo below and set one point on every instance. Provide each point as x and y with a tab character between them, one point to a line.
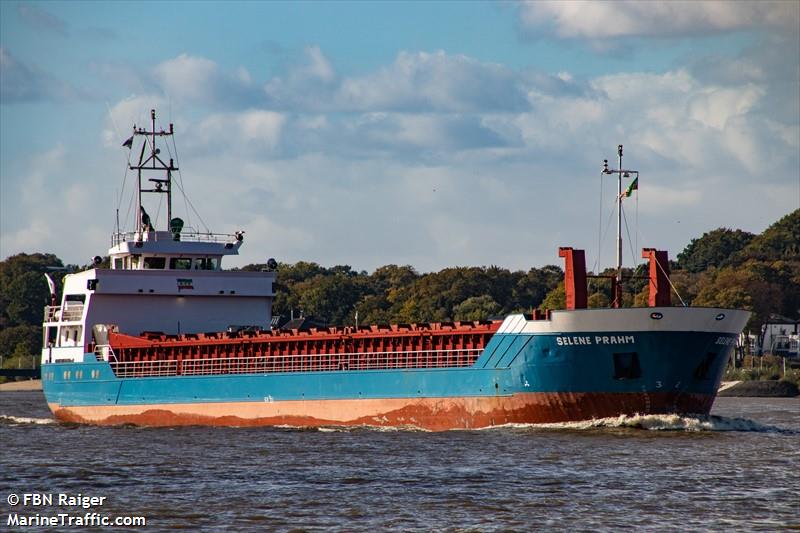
16	386
758	389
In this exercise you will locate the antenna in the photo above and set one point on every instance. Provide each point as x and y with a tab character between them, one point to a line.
621	173
152	163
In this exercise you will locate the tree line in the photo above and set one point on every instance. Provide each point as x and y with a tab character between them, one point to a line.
722	268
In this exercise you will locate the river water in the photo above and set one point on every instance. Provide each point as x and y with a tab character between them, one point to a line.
736	470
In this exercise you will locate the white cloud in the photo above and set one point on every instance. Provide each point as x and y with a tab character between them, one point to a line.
714	106
36	206
427	132
267	237
188	77
309	84
38	182
37	236
414	82
262	126
252	128
665	199
417	83
197	81
127	113
436	81
588	19
432	159
318	67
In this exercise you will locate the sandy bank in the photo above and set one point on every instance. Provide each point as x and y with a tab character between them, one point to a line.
30	384
759	389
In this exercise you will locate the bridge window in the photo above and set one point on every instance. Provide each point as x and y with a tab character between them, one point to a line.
205	263
157	263
180	263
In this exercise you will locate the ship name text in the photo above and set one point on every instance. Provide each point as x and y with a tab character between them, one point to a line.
586	340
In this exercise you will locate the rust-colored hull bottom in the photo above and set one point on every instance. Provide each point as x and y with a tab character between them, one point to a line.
436	414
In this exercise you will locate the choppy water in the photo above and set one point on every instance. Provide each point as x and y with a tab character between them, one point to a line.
738	469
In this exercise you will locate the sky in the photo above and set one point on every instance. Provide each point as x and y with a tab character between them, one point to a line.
434	134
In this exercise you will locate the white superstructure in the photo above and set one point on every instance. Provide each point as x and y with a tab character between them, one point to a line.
166	281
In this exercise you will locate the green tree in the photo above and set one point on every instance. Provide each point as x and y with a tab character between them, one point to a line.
23	288
532	287
374	309
330	298
23	294
780	241
26	337
714	249
390	277
476	308
555	299
741	288
597	300
286	286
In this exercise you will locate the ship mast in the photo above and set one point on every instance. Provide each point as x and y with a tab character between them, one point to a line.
152	162
621	173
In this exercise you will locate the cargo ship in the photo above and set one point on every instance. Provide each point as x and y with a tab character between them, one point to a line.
165	336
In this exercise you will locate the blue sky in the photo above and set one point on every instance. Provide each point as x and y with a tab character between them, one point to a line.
425	133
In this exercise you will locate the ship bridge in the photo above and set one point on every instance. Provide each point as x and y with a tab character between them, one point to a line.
160	250
162	279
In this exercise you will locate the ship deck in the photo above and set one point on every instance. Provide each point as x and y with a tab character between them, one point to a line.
407	346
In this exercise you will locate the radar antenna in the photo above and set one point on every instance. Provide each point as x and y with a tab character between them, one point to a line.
151	162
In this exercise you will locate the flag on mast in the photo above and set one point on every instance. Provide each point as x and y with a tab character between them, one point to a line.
634	186
52	286
128	143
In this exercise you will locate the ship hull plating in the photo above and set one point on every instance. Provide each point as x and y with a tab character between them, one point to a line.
435	414
521	377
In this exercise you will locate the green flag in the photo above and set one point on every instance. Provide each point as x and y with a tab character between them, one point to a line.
634	186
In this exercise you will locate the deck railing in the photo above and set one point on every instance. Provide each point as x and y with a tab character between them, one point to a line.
185	236
71	313
131	369
105	352
329	362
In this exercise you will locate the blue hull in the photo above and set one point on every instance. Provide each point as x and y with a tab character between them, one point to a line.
617	371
